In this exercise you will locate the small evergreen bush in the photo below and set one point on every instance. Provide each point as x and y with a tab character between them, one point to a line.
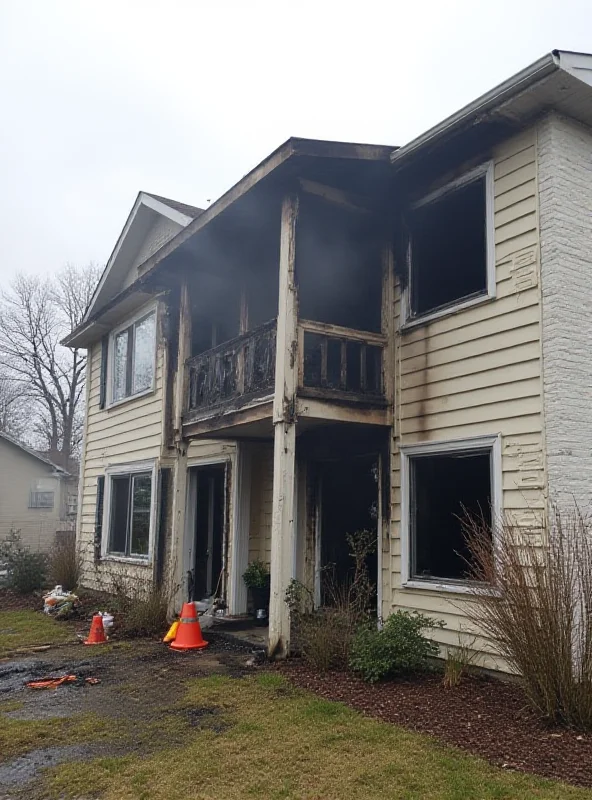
398	648
27	571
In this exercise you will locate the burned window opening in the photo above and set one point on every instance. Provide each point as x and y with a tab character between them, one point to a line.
444	488
448	248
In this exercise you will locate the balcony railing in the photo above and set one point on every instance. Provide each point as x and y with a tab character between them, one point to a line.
240	369
341	363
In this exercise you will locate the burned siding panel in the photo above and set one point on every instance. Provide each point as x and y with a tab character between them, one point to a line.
478	371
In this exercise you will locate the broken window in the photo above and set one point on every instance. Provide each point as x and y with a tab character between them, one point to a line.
444	489
133	358
448	247
129	524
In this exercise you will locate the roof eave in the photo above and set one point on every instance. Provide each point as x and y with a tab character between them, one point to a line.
517	83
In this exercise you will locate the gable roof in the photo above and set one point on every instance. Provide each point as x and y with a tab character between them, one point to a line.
33	453
135	230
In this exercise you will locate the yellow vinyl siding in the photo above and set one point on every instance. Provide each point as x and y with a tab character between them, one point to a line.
261	501
477	372
122	434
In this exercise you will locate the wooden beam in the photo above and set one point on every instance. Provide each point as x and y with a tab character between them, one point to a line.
338	197
329	410
339	332
283	531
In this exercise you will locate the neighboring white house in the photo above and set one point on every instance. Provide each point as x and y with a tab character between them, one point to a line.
37	498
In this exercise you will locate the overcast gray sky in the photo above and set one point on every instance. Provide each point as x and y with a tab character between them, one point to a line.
101	99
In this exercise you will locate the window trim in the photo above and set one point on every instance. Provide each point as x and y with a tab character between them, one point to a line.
444	446
122	470
410	320
139	316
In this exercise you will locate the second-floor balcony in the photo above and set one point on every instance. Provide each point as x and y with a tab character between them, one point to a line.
233	373
335	364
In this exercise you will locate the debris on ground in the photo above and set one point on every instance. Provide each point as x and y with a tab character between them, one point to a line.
53	681
60	604
50	682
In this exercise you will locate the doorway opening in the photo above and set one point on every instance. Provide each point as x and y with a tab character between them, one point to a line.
206	578
348	502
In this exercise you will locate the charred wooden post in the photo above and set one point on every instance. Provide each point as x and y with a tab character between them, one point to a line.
180	467
283	532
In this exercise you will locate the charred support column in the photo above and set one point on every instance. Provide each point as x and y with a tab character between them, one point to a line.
180	470
283	533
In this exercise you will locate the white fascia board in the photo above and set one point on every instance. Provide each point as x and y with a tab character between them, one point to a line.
517	83
164	210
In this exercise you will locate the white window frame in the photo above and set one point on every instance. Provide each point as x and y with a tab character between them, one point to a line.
444	446
410	320
122	470
145	312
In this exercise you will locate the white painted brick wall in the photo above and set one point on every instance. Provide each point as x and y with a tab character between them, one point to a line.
565	207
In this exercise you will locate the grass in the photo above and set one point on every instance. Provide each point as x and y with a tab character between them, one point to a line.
18	737
274	742
21	629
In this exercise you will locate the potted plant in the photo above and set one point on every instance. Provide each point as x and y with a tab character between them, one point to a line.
257	580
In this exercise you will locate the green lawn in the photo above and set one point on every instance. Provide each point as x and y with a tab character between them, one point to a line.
21	629
261	738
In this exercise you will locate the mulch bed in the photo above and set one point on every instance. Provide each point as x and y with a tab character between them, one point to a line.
13	601
485	716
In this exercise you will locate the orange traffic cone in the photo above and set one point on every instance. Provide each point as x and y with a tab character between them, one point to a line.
189	631
97	631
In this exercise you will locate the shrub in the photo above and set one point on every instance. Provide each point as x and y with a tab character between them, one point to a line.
141	604
323	636
65	564
27	571
398	648
541	614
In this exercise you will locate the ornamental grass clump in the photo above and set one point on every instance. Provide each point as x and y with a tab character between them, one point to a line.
539	613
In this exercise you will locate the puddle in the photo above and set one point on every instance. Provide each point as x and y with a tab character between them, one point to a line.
24	768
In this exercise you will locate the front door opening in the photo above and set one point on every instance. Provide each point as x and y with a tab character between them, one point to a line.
348	499
208	562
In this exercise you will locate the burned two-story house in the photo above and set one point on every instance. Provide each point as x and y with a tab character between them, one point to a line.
353	337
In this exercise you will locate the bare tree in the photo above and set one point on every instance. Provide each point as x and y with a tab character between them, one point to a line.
34	315
13	409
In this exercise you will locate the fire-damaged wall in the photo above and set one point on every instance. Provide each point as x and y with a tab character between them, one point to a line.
476	372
